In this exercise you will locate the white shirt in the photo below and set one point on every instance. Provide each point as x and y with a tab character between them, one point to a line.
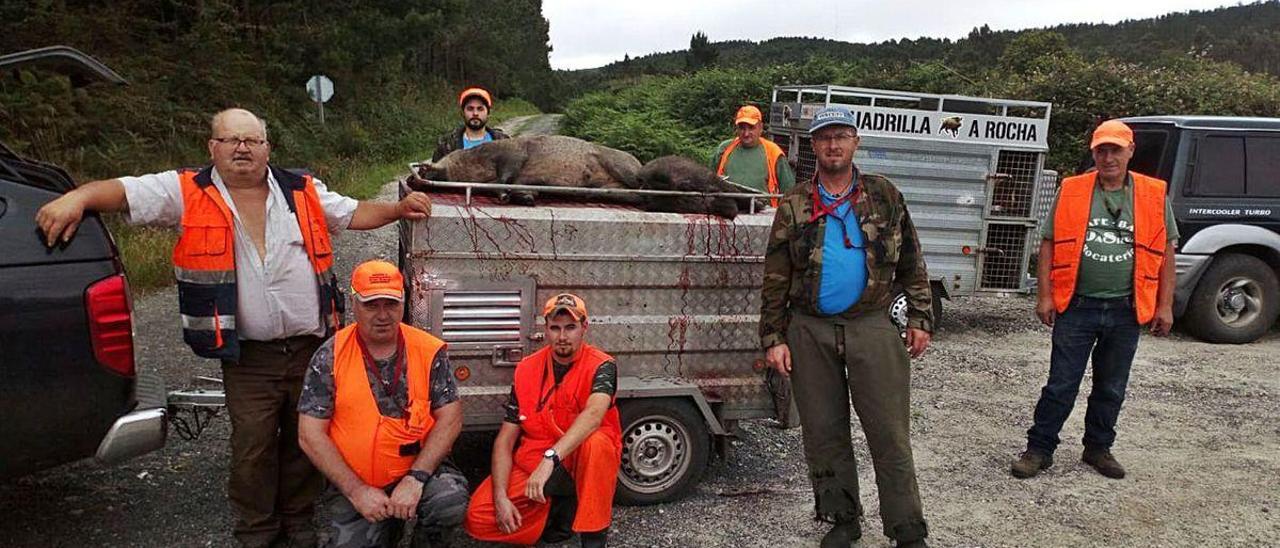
277	296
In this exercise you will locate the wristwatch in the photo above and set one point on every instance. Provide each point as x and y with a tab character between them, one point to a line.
551	455
423	476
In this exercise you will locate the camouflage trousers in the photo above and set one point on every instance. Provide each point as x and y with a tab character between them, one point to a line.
863	359
441	509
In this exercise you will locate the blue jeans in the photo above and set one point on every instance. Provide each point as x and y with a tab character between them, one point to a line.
1109	329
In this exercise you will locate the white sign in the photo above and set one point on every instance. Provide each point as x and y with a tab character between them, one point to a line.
950	126
320	88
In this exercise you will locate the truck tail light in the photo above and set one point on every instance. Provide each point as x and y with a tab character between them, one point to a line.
111	323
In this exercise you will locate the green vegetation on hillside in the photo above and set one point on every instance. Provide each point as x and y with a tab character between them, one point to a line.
689	114
396	66
1246	35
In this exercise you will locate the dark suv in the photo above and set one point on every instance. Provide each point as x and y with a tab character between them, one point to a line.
1224	185
69	387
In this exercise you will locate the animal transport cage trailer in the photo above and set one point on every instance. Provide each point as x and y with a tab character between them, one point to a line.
674	298
971	169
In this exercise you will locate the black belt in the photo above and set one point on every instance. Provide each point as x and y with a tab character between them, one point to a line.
287	345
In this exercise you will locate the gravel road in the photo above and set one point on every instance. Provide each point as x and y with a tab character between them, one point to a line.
1199	434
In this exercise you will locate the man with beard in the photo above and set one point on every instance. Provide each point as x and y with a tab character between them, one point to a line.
556	458
751	160
474	131
256	290
837	246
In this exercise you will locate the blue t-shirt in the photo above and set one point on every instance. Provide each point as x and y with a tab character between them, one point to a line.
468	143
844	269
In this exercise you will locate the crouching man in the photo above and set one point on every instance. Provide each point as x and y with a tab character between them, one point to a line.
556	457
379	413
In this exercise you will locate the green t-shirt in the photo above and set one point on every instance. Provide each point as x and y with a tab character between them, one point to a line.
746	167
1106	262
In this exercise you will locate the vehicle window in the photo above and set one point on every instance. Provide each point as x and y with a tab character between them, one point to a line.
1264	166
1220	166
1148	154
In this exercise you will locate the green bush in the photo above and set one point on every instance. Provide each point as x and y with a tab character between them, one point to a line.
690	115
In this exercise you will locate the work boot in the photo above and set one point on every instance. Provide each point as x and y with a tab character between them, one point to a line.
598	539
843	534
1102	461
1030	463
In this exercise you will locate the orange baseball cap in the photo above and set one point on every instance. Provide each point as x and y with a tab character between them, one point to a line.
377	280
567	302
475	92
748	114
1112	132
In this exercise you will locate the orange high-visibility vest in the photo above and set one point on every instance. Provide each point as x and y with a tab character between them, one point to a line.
205	266
772	152
542	425
1071	221
381	449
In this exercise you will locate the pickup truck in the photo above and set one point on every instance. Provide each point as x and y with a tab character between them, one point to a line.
69	385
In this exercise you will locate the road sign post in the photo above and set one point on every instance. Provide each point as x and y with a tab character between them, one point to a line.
320	89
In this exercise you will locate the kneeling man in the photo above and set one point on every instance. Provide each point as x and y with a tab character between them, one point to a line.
556	458
379	413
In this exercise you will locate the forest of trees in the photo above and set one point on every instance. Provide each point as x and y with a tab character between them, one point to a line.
1218	62
396	65
1246	35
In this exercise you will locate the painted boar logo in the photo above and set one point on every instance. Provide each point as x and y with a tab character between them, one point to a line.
951	126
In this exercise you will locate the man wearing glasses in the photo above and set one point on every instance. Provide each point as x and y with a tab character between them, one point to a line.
838	244
256	291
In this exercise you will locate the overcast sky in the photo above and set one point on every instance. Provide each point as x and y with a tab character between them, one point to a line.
591	33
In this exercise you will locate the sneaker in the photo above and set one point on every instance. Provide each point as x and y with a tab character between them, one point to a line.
1030	463
842	535
1102	461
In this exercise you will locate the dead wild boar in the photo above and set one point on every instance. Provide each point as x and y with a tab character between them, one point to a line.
539	160
680	173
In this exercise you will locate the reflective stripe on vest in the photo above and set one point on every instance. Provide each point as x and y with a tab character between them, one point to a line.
541	428
1070	225
772	152
205	267
370	443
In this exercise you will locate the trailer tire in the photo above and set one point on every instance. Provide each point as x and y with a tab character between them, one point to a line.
898	311
1236	300
665	449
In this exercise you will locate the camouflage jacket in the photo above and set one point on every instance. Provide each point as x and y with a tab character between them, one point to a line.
793	259
452	141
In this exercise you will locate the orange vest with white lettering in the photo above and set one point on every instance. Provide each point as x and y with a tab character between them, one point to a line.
205	266
772	152
1071	222
381	449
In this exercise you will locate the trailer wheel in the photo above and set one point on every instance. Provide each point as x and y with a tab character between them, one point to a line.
898	311
1236	300
665	447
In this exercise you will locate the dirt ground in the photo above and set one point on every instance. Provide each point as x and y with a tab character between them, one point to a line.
1200	435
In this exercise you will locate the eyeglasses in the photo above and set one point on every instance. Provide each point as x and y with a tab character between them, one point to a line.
235	142
834	137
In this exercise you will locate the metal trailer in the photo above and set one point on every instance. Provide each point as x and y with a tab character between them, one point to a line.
674	298
971	169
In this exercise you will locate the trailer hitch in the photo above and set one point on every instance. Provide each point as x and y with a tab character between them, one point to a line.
191	411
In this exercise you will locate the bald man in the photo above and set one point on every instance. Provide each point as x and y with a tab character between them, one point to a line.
256	291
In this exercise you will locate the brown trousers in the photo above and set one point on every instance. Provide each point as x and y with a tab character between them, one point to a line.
863	359
273	486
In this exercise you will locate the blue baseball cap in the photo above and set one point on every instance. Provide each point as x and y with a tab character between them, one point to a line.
832	116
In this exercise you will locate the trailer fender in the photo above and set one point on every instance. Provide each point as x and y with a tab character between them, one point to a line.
631	388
